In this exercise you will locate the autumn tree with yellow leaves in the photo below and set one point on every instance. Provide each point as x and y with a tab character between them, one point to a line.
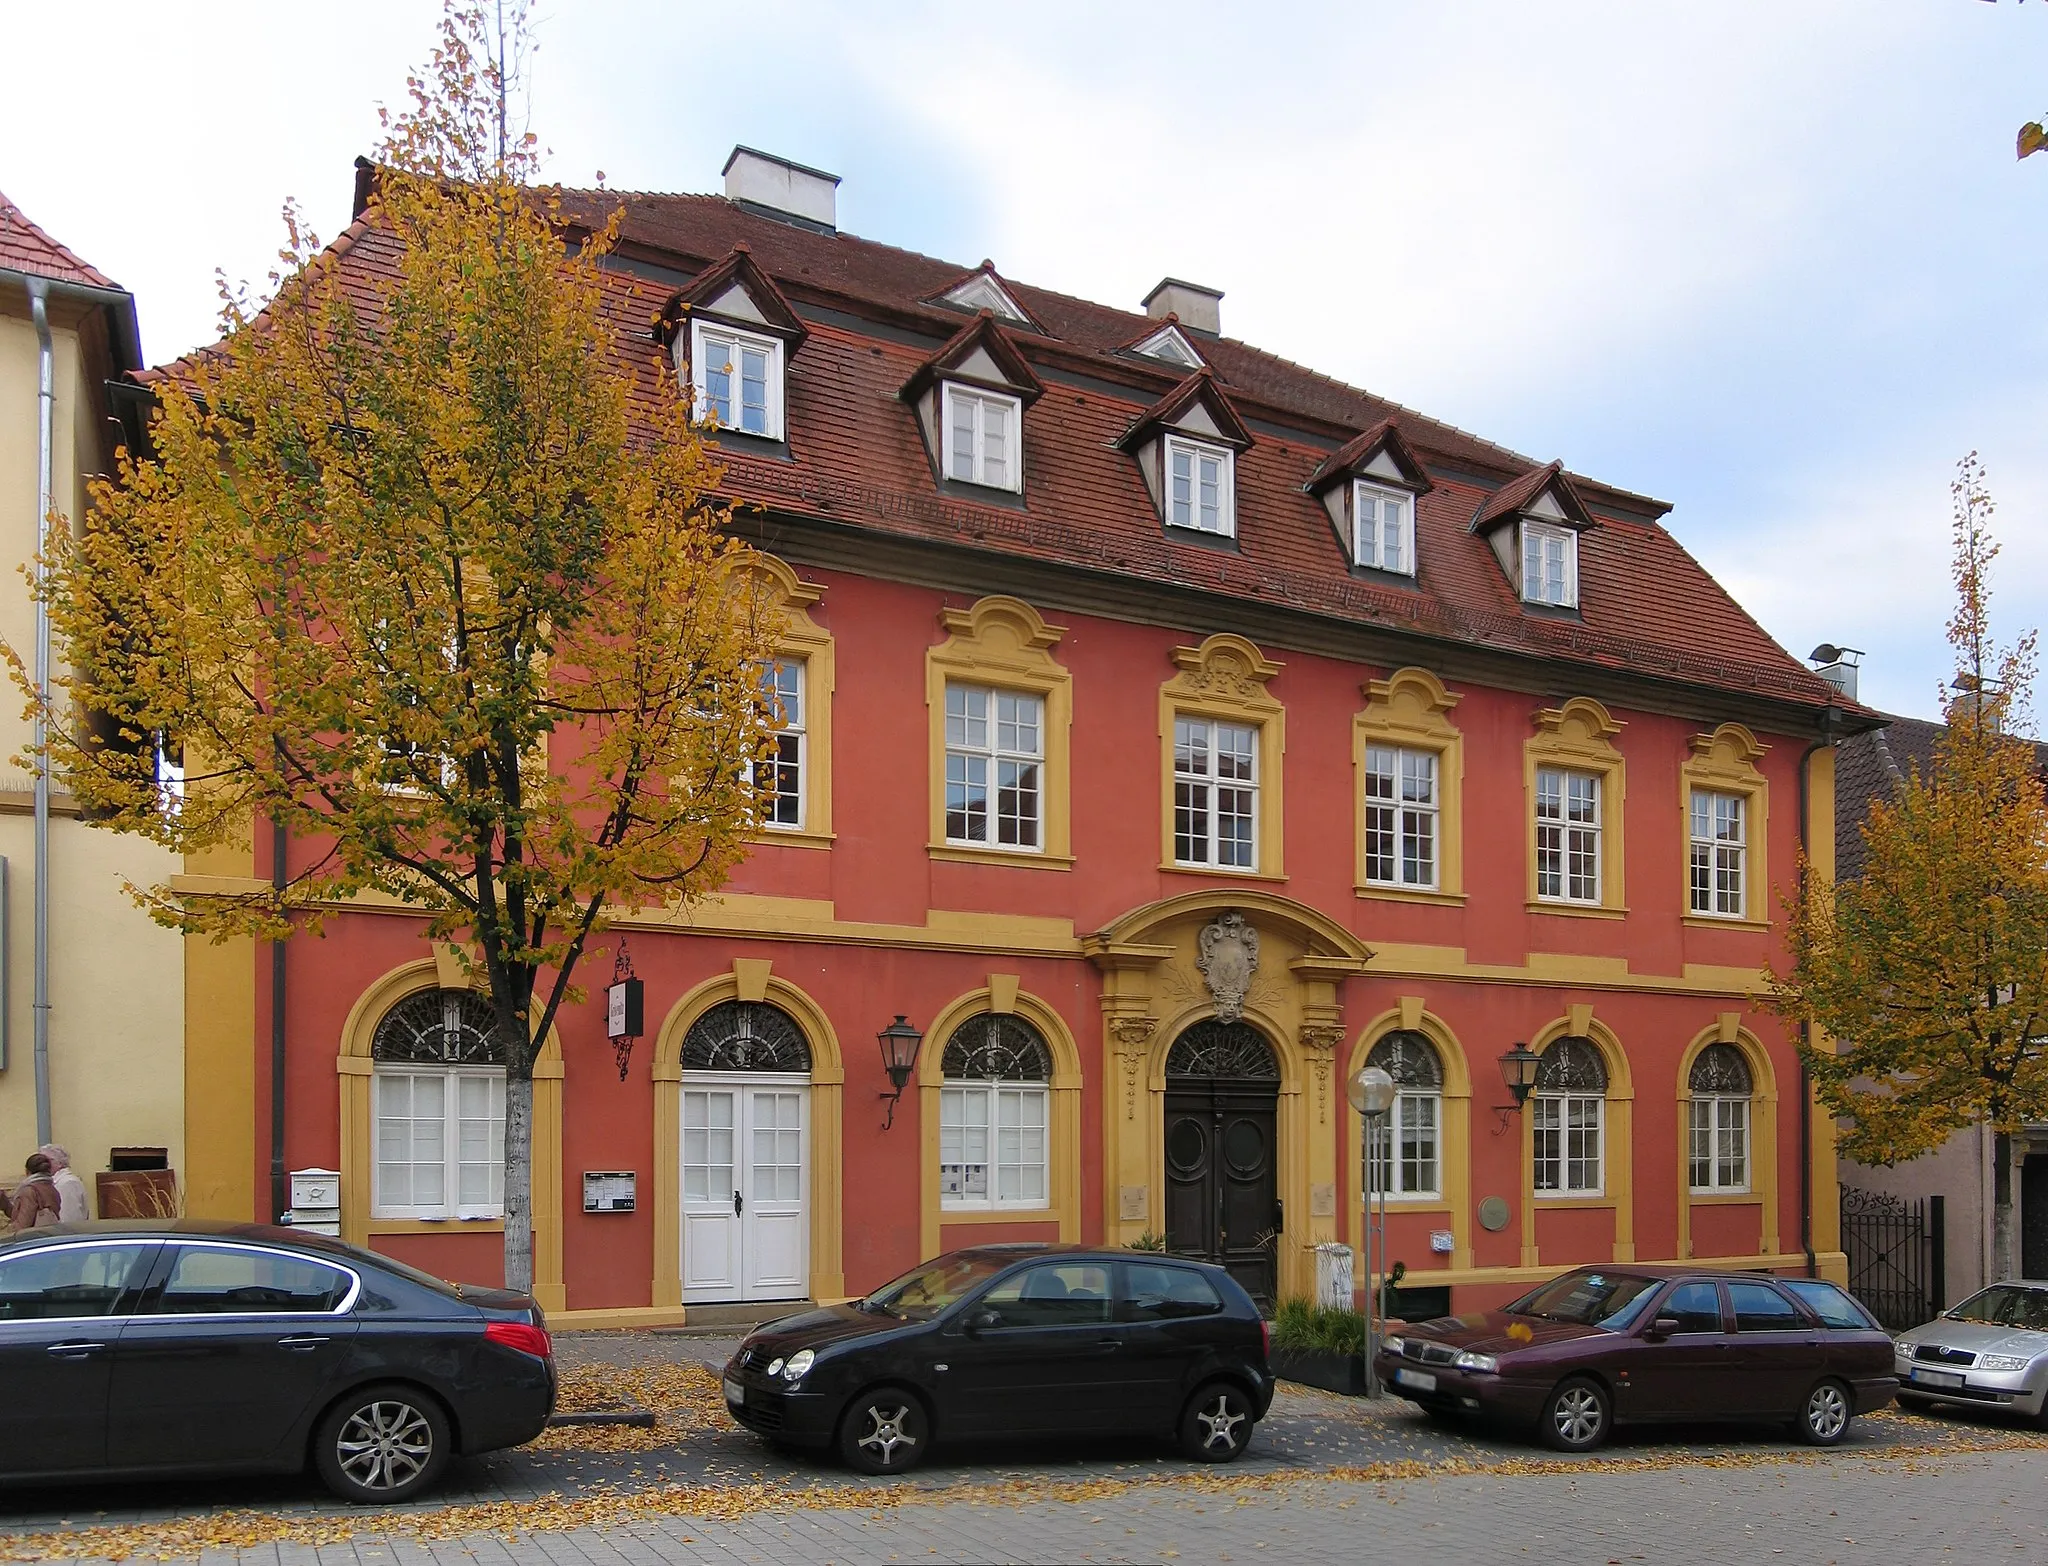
1926	982
402	578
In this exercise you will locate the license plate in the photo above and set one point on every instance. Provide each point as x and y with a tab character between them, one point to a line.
1937	1378
734	1392
1420	1380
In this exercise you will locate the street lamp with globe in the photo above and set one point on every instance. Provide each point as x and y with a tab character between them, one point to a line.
1371	1091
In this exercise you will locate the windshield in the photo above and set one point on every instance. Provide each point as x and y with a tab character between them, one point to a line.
2004	1305
1609	1300
923	1292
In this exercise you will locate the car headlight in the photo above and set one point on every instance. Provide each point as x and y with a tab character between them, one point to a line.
2004	1362
1392	1345
774	1366
1484	1363
799	1362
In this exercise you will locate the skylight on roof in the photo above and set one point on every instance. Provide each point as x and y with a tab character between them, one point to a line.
983	292
1169	346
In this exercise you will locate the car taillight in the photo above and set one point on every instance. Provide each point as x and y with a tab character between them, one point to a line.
519	1335
1265	1337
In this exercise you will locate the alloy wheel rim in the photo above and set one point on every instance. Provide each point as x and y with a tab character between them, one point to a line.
887	1430
1826	1412
384	1445
1220	1424
1577	1416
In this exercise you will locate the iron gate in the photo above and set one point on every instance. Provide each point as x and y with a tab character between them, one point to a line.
1895	1256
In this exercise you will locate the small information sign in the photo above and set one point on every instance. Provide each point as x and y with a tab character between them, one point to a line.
608	1191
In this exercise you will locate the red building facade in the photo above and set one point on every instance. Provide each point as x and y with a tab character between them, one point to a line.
1172	732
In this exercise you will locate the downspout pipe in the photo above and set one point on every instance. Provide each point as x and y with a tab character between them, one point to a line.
1829	721
46	399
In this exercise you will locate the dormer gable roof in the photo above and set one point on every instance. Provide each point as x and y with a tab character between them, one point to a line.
1543	494
734	289
1167	344
1195	407
984	289
1379	453
980	354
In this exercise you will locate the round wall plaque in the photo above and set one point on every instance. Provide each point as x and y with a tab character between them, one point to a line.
1493	1213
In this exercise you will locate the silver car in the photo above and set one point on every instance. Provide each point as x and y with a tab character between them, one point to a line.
1991	1351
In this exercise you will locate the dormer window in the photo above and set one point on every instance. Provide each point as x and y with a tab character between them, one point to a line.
1550	565
738	378
1199	483
981	437
1383	529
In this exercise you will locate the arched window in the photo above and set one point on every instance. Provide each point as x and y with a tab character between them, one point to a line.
740	1035
1571	1119
1718	1120
439	1093
1413	1164
993	1106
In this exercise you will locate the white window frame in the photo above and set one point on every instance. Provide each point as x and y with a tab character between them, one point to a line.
1406	820
1536	588
1370	548
1553	1117
1195	794
1708	1116
451	1143
975	404
963	751
1571	839
1198	452
792	735
1415	1105
703	334
1717	866
994	1098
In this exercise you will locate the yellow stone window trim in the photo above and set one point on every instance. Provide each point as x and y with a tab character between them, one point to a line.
1454	1134
1578	737
1724	762
355	1068
1003	997
1005	644
1224	679
1617	1139
749	979
801	640
1410	710
1763	1134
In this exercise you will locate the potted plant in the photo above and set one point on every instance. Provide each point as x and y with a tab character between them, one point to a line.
1319	1346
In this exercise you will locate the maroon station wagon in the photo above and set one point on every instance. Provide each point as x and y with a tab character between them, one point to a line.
1603	1346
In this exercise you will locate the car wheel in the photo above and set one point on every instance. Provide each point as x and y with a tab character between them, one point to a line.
381	1445
884	1432
1216	1426
1578	1416
1825	1418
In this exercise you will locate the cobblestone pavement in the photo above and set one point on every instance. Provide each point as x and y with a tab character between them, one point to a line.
1320	1469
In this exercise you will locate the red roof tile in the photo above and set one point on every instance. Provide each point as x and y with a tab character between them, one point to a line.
26	248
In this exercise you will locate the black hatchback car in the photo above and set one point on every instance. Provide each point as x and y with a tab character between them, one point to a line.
134	1350
1013	1340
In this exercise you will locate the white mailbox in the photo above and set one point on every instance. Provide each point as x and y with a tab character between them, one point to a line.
316	1200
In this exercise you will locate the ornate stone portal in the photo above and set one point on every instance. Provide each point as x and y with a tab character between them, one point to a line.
1227	953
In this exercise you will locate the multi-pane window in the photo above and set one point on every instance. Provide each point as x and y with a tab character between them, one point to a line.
981	438
1215	793
1198	488
1570	1109
439	1109
780	774
1567	835
1383	529
1717	1120
1720	853
995	763
1550	565
738	380
1408	1160
1402	812
994	1112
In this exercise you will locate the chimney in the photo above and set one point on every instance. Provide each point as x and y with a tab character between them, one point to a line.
1838	666
1196	306
780	189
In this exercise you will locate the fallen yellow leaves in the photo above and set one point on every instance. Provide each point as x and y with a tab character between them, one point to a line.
683	1398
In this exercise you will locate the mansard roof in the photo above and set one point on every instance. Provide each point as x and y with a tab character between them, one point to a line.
981	342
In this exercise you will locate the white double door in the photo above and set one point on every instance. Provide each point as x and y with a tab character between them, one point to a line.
746	1229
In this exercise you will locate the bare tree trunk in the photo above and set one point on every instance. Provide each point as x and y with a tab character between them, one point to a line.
2001	1206
519	1181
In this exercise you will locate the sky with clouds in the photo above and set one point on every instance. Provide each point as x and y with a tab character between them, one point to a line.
1774	263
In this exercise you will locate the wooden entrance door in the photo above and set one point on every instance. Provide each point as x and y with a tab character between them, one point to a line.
1222	1152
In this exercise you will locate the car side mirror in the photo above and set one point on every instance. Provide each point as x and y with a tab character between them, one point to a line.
1664	1326
982	1320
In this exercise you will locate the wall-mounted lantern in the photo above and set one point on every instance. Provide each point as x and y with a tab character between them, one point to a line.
1518	1068
899	1043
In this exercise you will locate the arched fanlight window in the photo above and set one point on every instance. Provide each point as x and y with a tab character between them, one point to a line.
1570	1119
1717	1120
1212	1048
438	1108
1413	1164
994	1101
746	1036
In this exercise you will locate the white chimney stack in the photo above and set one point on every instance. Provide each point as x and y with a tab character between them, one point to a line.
782	189
1196	306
